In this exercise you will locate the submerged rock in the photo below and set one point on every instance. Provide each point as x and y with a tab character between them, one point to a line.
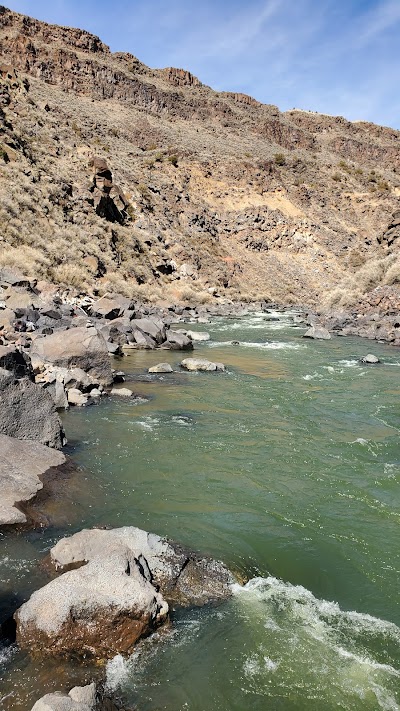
201	364
22	464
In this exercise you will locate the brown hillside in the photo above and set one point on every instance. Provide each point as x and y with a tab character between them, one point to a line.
115	176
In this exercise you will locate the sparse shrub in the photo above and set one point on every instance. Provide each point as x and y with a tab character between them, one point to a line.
343	165
337	177
4	155
392	275
71	275
279	159
174	160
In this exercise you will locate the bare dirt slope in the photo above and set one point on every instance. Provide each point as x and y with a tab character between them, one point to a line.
213	191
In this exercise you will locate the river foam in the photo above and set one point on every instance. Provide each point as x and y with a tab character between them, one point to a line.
279	641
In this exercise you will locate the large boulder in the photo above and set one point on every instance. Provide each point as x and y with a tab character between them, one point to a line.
22	464
152	327
178	341
107	307
318	332
182	576
98	610
28	412
201	364
80	347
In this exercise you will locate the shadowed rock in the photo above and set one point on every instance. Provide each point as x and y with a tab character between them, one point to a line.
22	464
28	412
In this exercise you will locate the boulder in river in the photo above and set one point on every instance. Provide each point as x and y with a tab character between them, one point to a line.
99	610
183	577
197	335
79	347
370	359
178	341
121	392
318	332
22	464
80	698
116	589
201	364
161	368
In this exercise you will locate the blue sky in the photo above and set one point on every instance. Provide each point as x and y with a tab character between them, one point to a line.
340	57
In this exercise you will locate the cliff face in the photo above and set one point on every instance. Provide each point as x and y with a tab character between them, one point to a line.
217	191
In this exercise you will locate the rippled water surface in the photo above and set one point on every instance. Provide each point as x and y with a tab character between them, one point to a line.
286	467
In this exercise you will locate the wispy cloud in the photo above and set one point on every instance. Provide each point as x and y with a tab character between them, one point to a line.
334	56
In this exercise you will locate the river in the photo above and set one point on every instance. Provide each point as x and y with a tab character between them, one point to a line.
287	468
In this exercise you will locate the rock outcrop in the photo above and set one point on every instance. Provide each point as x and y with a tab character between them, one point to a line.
23	466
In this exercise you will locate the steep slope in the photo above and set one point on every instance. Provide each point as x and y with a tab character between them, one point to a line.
214	191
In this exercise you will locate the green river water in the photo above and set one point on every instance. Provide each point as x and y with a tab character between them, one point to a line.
287	468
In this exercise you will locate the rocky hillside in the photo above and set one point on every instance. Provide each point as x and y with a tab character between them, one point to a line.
118	177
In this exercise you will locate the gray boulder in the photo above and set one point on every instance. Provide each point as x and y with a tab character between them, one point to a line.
80	698
121	392
80	347
98	610
201	364
27	411
17	361
318	332
198	335
370	359
153	327
75	397
178	341
142	340
106	307
22	464
183	577
161	368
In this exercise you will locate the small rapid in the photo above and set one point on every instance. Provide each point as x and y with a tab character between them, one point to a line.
274	645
